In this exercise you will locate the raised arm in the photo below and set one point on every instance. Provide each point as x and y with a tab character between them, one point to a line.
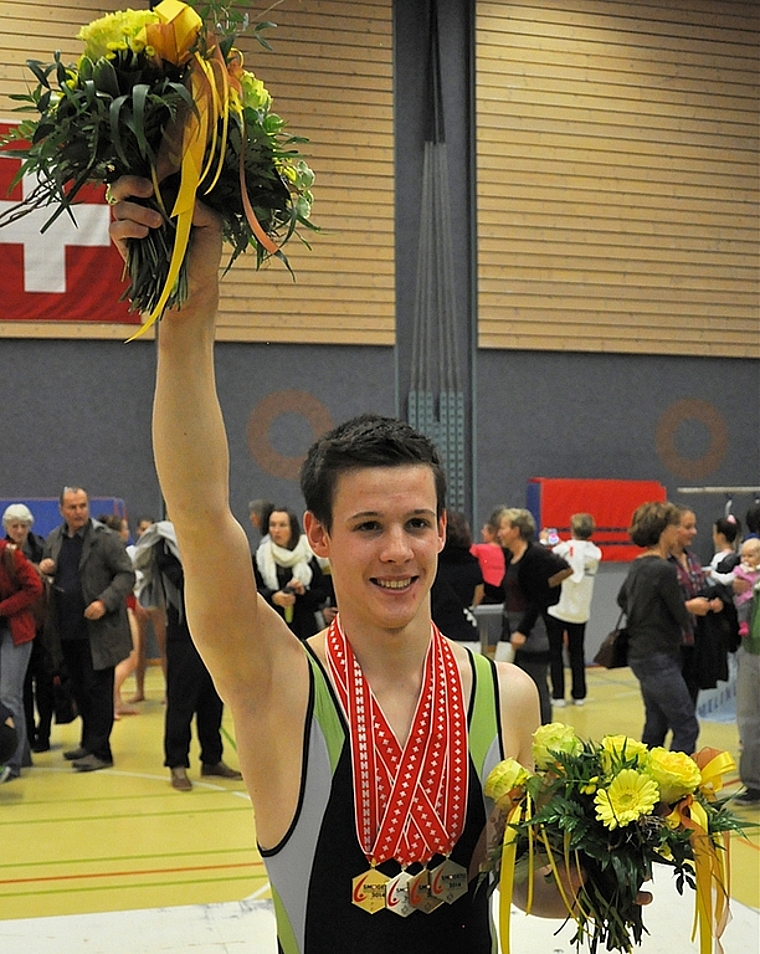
242	641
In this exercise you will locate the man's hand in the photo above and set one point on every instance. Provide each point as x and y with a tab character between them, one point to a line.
47	566
131	220
96	610
518	639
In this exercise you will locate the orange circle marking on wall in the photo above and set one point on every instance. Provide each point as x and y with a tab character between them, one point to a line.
266	413
688	410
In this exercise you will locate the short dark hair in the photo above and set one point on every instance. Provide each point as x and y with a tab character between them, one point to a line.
458	533
729	527
295	525
112	521
752	518
365	441
650	520
494	519
72	490
260	507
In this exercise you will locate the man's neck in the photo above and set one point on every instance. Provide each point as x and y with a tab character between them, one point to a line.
392	662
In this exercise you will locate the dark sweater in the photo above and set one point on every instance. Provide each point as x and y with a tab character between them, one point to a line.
654	607
453	591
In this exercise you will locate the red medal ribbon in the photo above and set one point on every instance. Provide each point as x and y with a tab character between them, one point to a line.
410	803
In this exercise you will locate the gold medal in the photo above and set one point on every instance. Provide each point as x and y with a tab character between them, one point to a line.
397	895
448	881
368	891
419	893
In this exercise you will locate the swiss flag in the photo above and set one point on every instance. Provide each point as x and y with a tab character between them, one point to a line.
69	273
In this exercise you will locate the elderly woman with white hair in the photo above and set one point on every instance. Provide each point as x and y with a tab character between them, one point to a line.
18	521
20	587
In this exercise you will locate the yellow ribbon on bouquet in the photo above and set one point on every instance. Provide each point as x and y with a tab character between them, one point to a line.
711	866
176	38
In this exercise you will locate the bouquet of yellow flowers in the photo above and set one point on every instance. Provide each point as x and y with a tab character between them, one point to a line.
606	813
155	94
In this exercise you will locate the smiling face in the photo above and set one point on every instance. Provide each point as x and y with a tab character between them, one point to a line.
687	530
383	546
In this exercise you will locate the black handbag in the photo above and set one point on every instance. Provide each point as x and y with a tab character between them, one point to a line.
613	653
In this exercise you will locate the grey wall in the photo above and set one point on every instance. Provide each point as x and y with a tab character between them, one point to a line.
78	412
596	416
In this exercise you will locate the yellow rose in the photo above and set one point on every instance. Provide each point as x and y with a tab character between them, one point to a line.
255	94
554	737
616	749
675	773
503	781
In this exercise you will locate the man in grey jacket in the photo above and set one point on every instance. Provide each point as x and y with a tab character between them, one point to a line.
92	577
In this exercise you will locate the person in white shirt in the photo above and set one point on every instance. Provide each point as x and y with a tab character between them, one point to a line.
571	613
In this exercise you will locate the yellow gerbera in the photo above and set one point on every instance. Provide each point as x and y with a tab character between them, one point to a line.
628	796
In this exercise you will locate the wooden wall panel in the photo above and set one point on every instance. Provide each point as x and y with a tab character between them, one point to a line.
617	176
330	76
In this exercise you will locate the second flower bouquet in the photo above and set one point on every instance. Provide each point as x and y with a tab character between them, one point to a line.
155	94
603	814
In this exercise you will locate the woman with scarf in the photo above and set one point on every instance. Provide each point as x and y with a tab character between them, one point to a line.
288	575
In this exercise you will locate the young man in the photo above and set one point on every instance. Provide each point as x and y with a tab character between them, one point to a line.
378	711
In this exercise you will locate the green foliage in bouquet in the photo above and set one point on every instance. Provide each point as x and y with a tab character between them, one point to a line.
610	811
156	95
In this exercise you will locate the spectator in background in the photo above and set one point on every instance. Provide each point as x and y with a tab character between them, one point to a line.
92	577
748	570
531	585
258	513
702	599
127	666
657	615
752	520
748	705
458	584
190	690
571	614
491	558
288	575
726	534
20	586
150	614
38	684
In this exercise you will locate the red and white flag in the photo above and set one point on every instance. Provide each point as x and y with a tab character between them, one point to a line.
68	273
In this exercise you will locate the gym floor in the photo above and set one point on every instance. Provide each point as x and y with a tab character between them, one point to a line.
117	860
